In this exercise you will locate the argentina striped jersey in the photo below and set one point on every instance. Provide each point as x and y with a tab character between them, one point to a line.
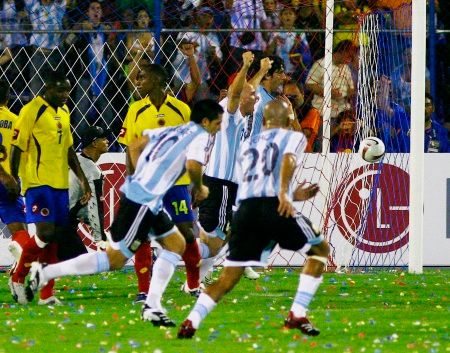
223	155
257	121
163	161
259	161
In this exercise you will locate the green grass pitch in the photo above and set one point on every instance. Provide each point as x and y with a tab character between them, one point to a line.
380	312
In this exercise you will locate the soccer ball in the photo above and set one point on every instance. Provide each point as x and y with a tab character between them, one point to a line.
371	149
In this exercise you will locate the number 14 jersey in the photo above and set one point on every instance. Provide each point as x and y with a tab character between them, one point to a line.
259	162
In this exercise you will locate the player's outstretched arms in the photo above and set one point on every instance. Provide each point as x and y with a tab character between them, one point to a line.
305	192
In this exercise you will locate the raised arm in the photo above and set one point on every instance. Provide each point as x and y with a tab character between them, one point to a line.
264	68
234	92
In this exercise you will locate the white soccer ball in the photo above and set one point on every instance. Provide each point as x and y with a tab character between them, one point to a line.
371	149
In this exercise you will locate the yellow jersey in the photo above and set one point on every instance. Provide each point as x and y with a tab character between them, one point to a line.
44	133
7	123
143	115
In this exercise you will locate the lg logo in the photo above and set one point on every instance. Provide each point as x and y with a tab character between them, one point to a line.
372	208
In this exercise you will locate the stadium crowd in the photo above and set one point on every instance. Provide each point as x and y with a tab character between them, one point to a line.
102	62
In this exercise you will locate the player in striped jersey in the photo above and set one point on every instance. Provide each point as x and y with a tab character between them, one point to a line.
158	158
266	216
215	212
270	88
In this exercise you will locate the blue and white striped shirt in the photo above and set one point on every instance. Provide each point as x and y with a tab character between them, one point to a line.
259	162
258	119
163	161
224	152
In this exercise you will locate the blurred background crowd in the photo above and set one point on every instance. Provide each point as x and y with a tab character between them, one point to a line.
200	42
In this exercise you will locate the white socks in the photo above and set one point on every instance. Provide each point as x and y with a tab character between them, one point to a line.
305	292
203	307
85	264
163	270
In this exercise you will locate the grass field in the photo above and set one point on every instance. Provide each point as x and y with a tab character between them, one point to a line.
378	313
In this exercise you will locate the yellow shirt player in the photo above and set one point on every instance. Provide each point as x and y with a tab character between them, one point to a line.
157	110
43	132
11	203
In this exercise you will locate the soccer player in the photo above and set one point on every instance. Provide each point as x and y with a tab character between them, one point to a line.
43	131
270	88
155	110
266	216
11	203
215	212
94	143
158	158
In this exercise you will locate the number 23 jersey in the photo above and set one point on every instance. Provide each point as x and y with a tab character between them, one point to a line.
259	162
45	134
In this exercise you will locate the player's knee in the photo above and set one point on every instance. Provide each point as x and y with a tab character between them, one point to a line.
116	259
187	230
322	249
174	243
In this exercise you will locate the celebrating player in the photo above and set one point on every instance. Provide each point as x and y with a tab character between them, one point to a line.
157	109
43	131
159	157
266	216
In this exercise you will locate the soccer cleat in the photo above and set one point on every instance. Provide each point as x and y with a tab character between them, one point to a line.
50	301
186	330
250	273
140	298
37	279
19	292
195	292
156	317
301	323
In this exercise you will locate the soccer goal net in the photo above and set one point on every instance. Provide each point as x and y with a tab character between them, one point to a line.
362	208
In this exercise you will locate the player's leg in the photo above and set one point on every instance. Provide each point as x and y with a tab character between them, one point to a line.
143	263
177	202
298	233
248	245
131	225
173	246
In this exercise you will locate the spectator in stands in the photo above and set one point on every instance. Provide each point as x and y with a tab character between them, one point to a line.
346	18
310	15
247	15
342	86
141	43
93	59
392	121
207	52
271	7
45	15
291	46
343	133
436	136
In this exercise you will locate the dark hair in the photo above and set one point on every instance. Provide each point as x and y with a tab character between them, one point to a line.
159	71
55	76
4	91
206	108
430	97
277	65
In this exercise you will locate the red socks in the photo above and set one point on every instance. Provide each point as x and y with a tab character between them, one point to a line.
21	237
48	255
143	263
30	253
191	258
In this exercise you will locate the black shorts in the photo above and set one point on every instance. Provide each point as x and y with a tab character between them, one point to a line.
216	211
257	227
133	224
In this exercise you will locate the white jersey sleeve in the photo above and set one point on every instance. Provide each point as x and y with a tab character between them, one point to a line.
200	148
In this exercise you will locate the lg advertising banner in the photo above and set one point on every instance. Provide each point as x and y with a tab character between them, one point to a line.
388	220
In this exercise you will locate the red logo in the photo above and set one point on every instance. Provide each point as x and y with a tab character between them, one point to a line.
114	176
372	205
16	134
122	132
